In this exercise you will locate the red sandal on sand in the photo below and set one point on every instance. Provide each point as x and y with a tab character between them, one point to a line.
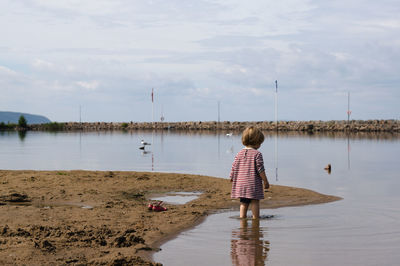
158	207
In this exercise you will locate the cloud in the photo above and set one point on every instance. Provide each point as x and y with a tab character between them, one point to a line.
42	64
195	53
382	24
5	71
88	7
89	85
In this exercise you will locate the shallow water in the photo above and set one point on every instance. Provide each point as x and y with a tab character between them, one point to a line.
47	205
176	198
362	229
310	235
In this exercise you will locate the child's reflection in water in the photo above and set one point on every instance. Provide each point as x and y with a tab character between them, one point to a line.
247	244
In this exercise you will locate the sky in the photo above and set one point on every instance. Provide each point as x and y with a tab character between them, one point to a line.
99	60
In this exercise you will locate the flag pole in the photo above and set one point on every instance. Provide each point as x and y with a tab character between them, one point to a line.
218	112
276	134
152	105
276	104
348	108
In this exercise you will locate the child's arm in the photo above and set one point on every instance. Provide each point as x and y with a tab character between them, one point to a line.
233	169
265	180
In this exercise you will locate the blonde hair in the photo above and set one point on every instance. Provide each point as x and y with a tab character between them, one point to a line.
252	137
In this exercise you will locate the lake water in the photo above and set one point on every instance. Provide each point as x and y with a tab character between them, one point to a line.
361	229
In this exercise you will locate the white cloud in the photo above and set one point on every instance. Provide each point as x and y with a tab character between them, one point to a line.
341	56
7	72
384	23
201	92
42	64
87	7
258	92
89	85
115	51
234	70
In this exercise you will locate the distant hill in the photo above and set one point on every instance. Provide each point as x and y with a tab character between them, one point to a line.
12	117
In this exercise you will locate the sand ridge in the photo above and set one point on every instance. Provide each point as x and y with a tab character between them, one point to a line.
101	217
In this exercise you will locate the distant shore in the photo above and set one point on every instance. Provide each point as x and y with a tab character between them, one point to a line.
304	126
101	217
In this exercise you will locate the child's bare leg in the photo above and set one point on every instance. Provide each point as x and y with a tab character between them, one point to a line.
255	208
243	209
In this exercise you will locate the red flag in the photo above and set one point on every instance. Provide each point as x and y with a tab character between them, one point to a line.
152	95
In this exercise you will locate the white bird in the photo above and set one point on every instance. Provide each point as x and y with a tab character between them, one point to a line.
145	143
229	134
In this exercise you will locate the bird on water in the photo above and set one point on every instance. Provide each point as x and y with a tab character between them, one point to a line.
144	143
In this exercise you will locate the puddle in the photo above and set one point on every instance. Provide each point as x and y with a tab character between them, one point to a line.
48	205
176	198
63	204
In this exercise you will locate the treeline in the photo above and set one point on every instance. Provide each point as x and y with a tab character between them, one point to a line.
23	125
8	126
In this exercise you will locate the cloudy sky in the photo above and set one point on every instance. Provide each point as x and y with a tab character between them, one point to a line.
106	55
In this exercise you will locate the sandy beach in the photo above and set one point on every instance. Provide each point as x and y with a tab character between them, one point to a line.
101	217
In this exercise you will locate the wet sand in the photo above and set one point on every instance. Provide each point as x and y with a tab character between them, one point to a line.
101	217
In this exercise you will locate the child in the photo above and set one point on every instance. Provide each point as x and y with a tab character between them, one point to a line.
248	173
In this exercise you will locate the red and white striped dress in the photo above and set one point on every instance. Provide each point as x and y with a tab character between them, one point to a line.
245	174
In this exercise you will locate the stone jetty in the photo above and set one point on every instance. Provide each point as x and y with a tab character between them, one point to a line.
305	126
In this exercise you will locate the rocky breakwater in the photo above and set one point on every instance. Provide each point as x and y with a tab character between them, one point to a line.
308	126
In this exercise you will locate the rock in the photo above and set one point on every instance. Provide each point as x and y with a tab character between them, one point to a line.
46	245
340	125
15	197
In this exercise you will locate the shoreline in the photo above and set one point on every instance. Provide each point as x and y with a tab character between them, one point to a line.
101	217
392	126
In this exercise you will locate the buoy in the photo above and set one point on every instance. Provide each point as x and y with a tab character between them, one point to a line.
328	168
